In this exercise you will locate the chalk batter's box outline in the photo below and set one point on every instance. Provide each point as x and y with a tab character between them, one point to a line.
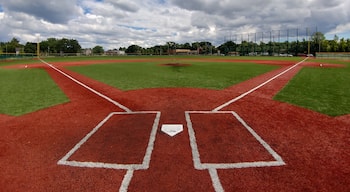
196	156
146	159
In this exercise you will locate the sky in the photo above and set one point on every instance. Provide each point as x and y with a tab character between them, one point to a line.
121	23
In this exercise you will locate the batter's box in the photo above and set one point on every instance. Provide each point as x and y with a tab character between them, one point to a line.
123	140
222	140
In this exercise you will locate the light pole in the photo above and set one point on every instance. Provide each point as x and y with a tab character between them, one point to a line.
38	45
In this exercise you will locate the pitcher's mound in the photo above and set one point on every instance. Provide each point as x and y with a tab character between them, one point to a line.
175	64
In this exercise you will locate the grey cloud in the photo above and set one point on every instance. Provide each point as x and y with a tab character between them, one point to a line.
115	23
50	10
261	13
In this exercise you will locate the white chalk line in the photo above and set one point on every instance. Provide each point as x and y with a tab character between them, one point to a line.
257	87
215	180
129	167
212	167
88	88
126	181
214	176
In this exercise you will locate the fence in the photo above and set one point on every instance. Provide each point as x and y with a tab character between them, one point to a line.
334	55
6	56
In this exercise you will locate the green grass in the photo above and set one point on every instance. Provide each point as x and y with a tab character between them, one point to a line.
325	90
17	61
25	91
131	76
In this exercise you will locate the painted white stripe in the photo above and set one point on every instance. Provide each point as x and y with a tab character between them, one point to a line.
81	142
196	156
257	137
257	87
102	165
216	180
87	87
130	167
126	181
146	159
241	165
193	143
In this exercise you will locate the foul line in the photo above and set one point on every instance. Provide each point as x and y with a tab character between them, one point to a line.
257	87
88	88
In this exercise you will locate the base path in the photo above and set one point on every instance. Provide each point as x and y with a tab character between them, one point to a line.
114	141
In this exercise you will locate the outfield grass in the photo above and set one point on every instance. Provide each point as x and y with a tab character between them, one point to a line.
24	91
210	75
326	90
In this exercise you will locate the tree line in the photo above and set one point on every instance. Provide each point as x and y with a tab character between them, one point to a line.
316	43
50	46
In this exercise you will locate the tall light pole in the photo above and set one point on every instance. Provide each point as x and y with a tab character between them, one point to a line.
38	45
308	42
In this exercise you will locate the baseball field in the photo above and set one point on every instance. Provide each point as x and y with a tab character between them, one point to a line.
174	123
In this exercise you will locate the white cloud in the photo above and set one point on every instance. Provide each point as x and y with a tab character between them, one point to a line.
120	23
341	29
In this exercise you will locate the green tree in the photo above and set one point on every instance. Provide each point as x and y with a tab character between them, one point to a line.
133	49
98	50
227	47
348	45
342	45
30	47
317	40
10	47
68	45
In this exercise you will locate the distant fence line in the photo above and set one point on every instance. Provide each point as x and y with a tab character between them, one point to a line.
5	56
276	35
334	55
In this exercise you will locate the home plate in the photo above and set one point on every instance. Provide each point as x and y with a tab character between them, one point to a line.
172	129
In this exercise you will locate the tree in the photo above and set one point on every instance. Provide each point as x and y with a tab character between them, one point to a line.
30	47
98	50
348	45
10	47
133	49
342	45
317	40
228	46
333	44
68	45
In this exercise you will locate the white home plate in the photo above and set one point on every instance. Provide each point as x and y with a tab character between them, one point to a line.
172	129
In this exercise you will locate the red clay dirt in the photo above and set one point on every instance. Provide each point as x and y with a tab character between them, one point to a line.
313	146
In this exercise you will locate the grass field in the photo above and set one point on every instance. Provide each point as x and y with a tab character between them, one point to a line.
24	91
326	90
17	61
211	75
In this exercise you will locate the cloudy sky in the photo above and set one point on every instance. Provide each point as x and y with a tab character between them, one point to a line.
120	23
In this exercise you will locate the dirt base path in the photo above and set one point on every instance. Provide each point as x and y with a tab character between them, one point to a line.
219	150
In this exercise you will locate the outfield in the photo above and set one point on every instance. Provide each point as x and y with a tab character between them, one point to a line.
322	89
247	124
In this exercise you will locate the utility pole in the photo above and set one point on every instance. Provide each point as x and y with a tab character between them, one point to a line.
38	45
308	41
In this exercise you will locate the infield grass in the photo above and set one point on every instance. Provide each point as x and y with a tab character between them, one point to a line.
27	90
18	61
326	90
210	75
